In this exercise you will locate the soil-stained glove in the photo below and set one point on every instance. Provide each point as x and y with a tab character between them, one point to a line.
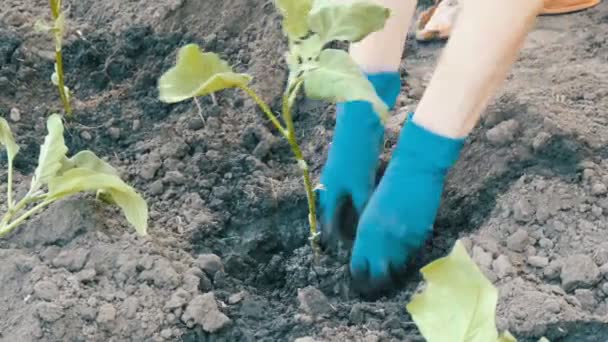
400	215
348	177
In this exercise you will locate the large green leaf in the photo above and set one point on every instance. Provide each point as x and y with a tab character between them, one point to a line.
350	20
197	73
295	14
82	179
338	78
52	153
458	303
87	160
7	139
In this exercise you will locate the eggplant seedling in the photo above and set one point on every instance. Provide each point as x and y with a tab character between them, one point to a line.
58	176
322	73
57	28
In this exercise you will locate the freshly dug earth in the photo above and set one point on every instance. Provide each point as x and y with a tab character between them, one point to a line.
227	256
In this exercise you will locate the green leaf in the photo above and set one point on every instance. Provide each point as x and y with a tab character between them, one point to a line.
350	20
458	304
87	160
7	139
295	13
52	153
338	79
507	337
55	7
197	74
82	179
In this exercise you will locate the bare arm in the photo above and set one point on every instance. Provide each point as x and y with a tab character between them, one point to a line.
480	52
382	51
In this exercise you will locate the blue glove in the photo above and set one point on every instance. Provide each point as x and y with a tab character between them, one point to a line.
400	215
348	177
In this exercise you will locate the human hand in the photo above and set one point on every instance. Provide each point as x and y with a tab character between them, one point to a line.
400	214
348	177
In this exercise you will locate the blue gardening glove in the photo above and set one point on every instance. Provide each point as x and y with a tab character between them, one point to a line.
400	215
348	177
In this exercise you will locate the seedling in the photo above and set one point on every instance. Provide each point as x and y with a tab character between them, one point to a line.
58	176
458	303
323	73
58	28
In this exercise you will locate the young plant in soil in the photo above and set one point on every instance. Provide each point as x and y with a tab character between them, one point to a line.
57	28
322	73
61	177
458	303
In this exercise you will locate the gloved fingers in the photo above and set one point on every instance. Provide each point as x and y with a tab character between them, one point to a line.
375	275
338	220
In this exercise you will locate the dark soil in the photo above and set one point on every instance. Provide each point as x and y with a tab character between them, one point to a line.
528	196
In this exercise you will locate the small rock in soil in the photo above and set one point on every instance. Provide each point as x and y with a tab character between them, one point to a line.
210	263
174	177
49	312
503	133
86	275
72	260
86	135
236	297
481	257
313	302
502	266
357	314
305	339
600	255
604	288
130	306
545	243
106	313
586	298
15	115
88	313
46	290
523	211
114	133
178	299
579	271
538	261
253	308
599	189
166	333
518	241
540	140
203	310
604	270
195	123
552	306
163	274
156	188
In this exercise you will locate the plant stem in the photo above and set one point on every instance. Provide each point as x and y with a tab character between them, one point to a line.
61	84
290	134
7	229
9	187
288	99
273	118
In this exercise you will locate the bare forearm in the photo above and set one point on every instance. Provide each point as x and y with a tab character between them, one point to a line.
481	51
383	50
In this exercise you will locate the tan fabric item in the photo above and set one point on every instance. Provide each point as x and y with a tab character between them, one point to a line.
567	6
437	21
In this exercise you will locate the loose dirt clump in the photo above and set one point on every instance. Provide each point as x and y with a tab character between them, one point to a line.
227	256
